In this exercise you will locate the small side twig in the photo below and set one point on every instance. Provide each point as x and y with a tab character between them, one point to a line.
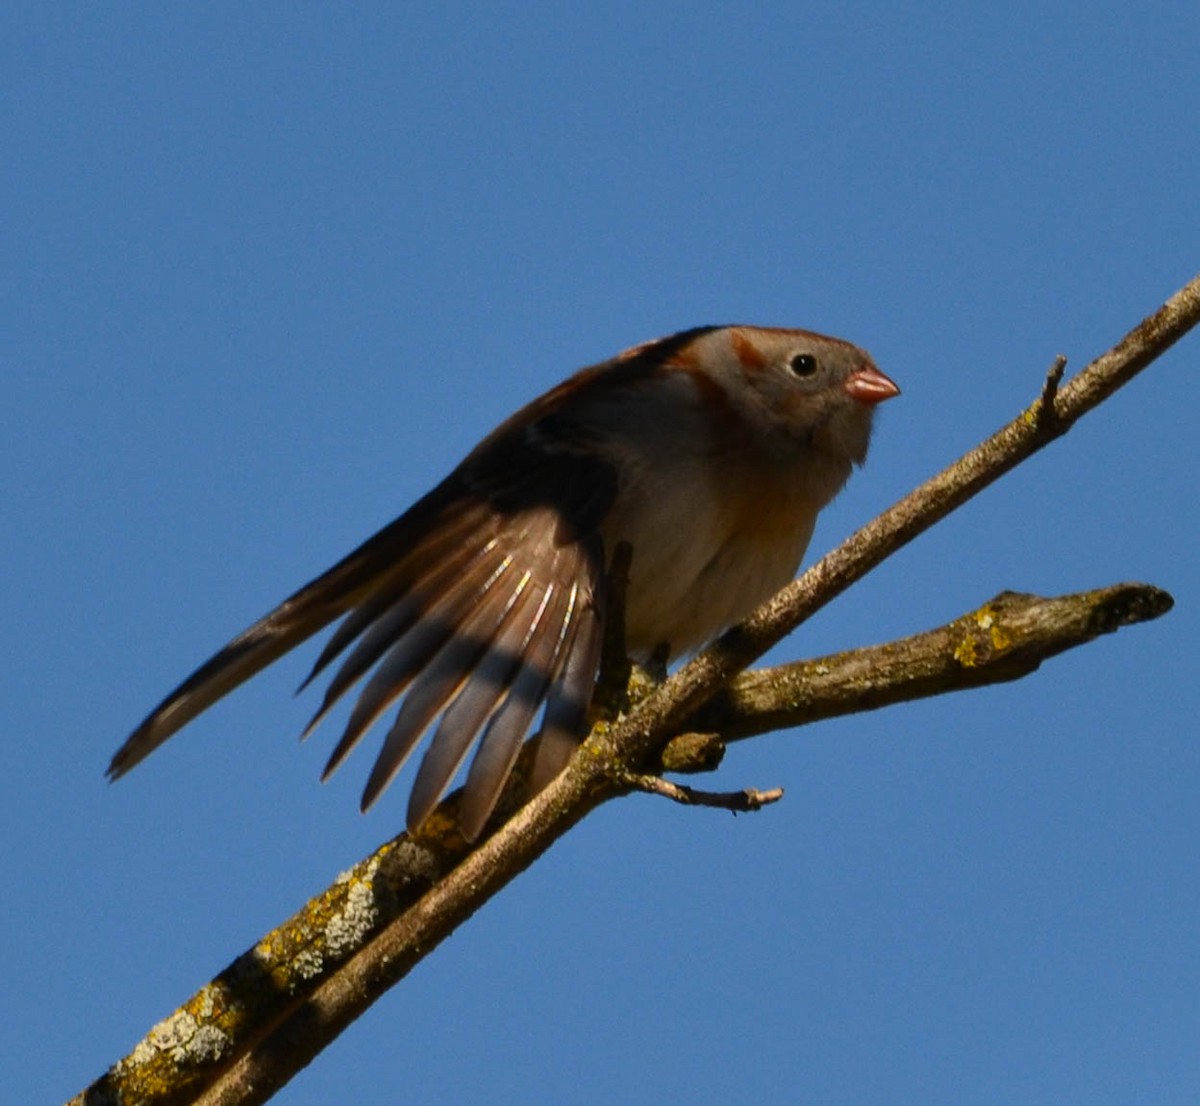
1047	417
740	802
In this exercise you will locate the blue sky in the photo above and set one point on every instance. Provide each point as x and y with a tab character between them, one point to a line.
270	271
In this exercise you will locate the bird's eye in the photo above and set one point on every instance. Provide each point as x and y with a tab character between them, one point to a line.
803	364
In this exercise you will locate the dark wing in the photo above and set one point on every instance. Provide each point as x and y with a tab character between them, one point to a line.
384	559
479	604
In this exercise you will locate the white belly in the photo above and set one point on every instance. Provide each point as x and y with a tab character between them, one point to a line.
696	571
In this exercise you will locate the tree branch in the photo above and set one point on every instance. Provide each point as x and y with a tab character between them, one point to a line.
1007	638
245	1034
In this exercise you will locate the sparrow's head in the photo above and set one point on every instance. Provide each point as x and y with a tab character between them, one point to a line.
794	393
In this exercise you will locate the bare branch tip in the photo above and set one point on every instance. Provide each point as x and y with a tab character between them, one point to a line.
1132	603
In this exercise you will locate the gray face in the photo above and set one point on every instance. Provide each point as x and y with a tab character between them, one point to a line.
804	392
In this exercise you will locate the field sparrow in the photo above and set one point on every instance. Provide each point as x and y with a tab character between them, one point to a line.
710	452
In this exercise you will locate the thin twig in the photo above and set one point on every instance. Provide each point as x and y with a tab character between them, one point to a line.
740	802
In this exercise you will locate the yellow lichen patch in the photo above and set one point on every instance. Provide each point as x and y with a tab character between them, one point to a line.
1000	640
967	653
985	619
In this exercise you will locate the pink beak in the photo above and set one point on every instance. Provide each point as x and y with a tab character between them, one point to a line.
869	386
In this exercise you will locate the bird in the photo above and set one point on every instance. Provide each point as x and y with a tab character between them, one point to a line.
710	452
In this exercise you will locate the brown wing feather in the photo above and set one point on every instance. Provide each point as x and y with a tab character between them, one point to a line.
566	707
405	637
445	679
474	605
295	620
501	740
436	629
441	547
488	686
